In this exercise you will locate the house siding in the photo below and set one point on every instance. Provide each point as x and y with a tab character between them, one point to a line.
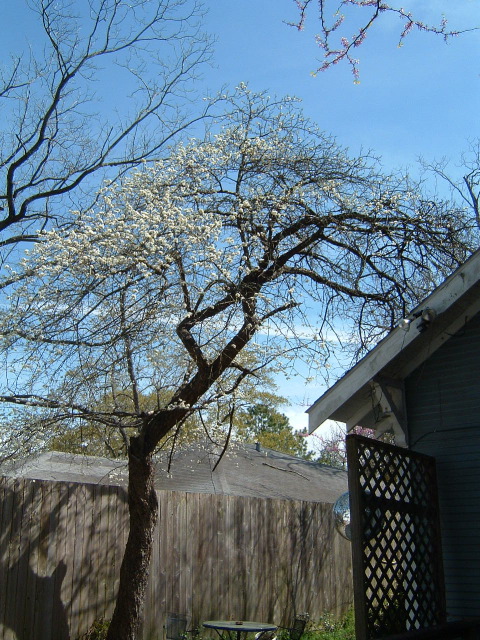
443	411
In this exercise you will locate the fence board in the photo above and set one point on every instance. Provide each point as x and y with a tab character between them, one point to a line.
19	547
74	510
218	556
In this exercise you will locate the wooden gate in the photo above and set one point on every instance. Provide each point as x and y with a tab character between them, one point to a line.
396	546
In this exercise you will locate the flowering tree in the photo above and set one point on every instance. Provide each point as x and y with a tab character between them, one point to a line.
62	130
235	251
344	25
331	449
94	435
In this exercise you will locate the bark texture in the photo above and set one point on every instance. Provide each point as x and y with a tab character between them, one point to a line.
134	572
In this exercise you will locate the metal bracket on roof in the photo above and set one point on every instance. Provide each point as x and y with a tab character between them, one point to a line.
389	401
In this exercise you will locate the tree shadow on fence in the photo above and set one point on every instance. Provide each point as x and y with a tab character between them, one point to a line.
31	580
60	547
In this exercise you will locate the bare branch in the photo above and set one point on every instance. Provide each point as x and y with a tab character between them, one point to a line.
55	145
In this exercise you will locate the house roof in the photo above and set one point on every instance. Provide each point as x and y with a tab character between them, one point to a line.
242	471
371	393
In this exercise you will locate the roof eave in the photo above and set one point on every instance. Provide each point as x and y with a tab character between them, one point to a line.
349	399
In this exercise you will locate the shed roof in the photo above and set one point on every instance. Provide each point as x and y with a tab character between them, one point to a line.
243	471
371	393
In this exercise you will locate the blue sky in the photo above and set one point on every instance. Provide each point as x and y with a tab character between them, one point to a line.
422	99
418	100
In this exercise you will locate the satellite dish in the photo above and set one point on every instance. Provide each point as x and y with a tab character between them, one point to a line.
341	515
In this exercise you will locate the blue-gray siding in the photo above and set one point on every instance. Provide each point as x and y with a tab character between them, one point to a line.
443	409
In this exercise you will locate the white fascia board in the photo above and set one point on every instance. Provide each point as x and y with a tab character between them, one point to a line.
358	376
442	298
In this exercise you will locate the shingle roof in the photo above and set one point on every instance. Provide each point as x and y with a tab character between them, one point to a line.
242	471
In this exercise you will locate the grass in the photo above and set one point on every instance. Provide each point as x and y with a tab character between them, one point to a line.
328	628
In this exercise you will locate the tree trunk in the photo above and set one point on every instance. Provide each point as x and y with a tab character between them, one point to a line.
143	514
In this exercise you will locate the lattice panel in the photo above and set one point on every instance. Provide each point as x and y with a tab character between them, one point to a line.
398	576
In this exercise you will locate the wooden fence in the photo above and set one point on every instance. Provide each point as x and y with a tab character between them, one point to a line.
215	556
